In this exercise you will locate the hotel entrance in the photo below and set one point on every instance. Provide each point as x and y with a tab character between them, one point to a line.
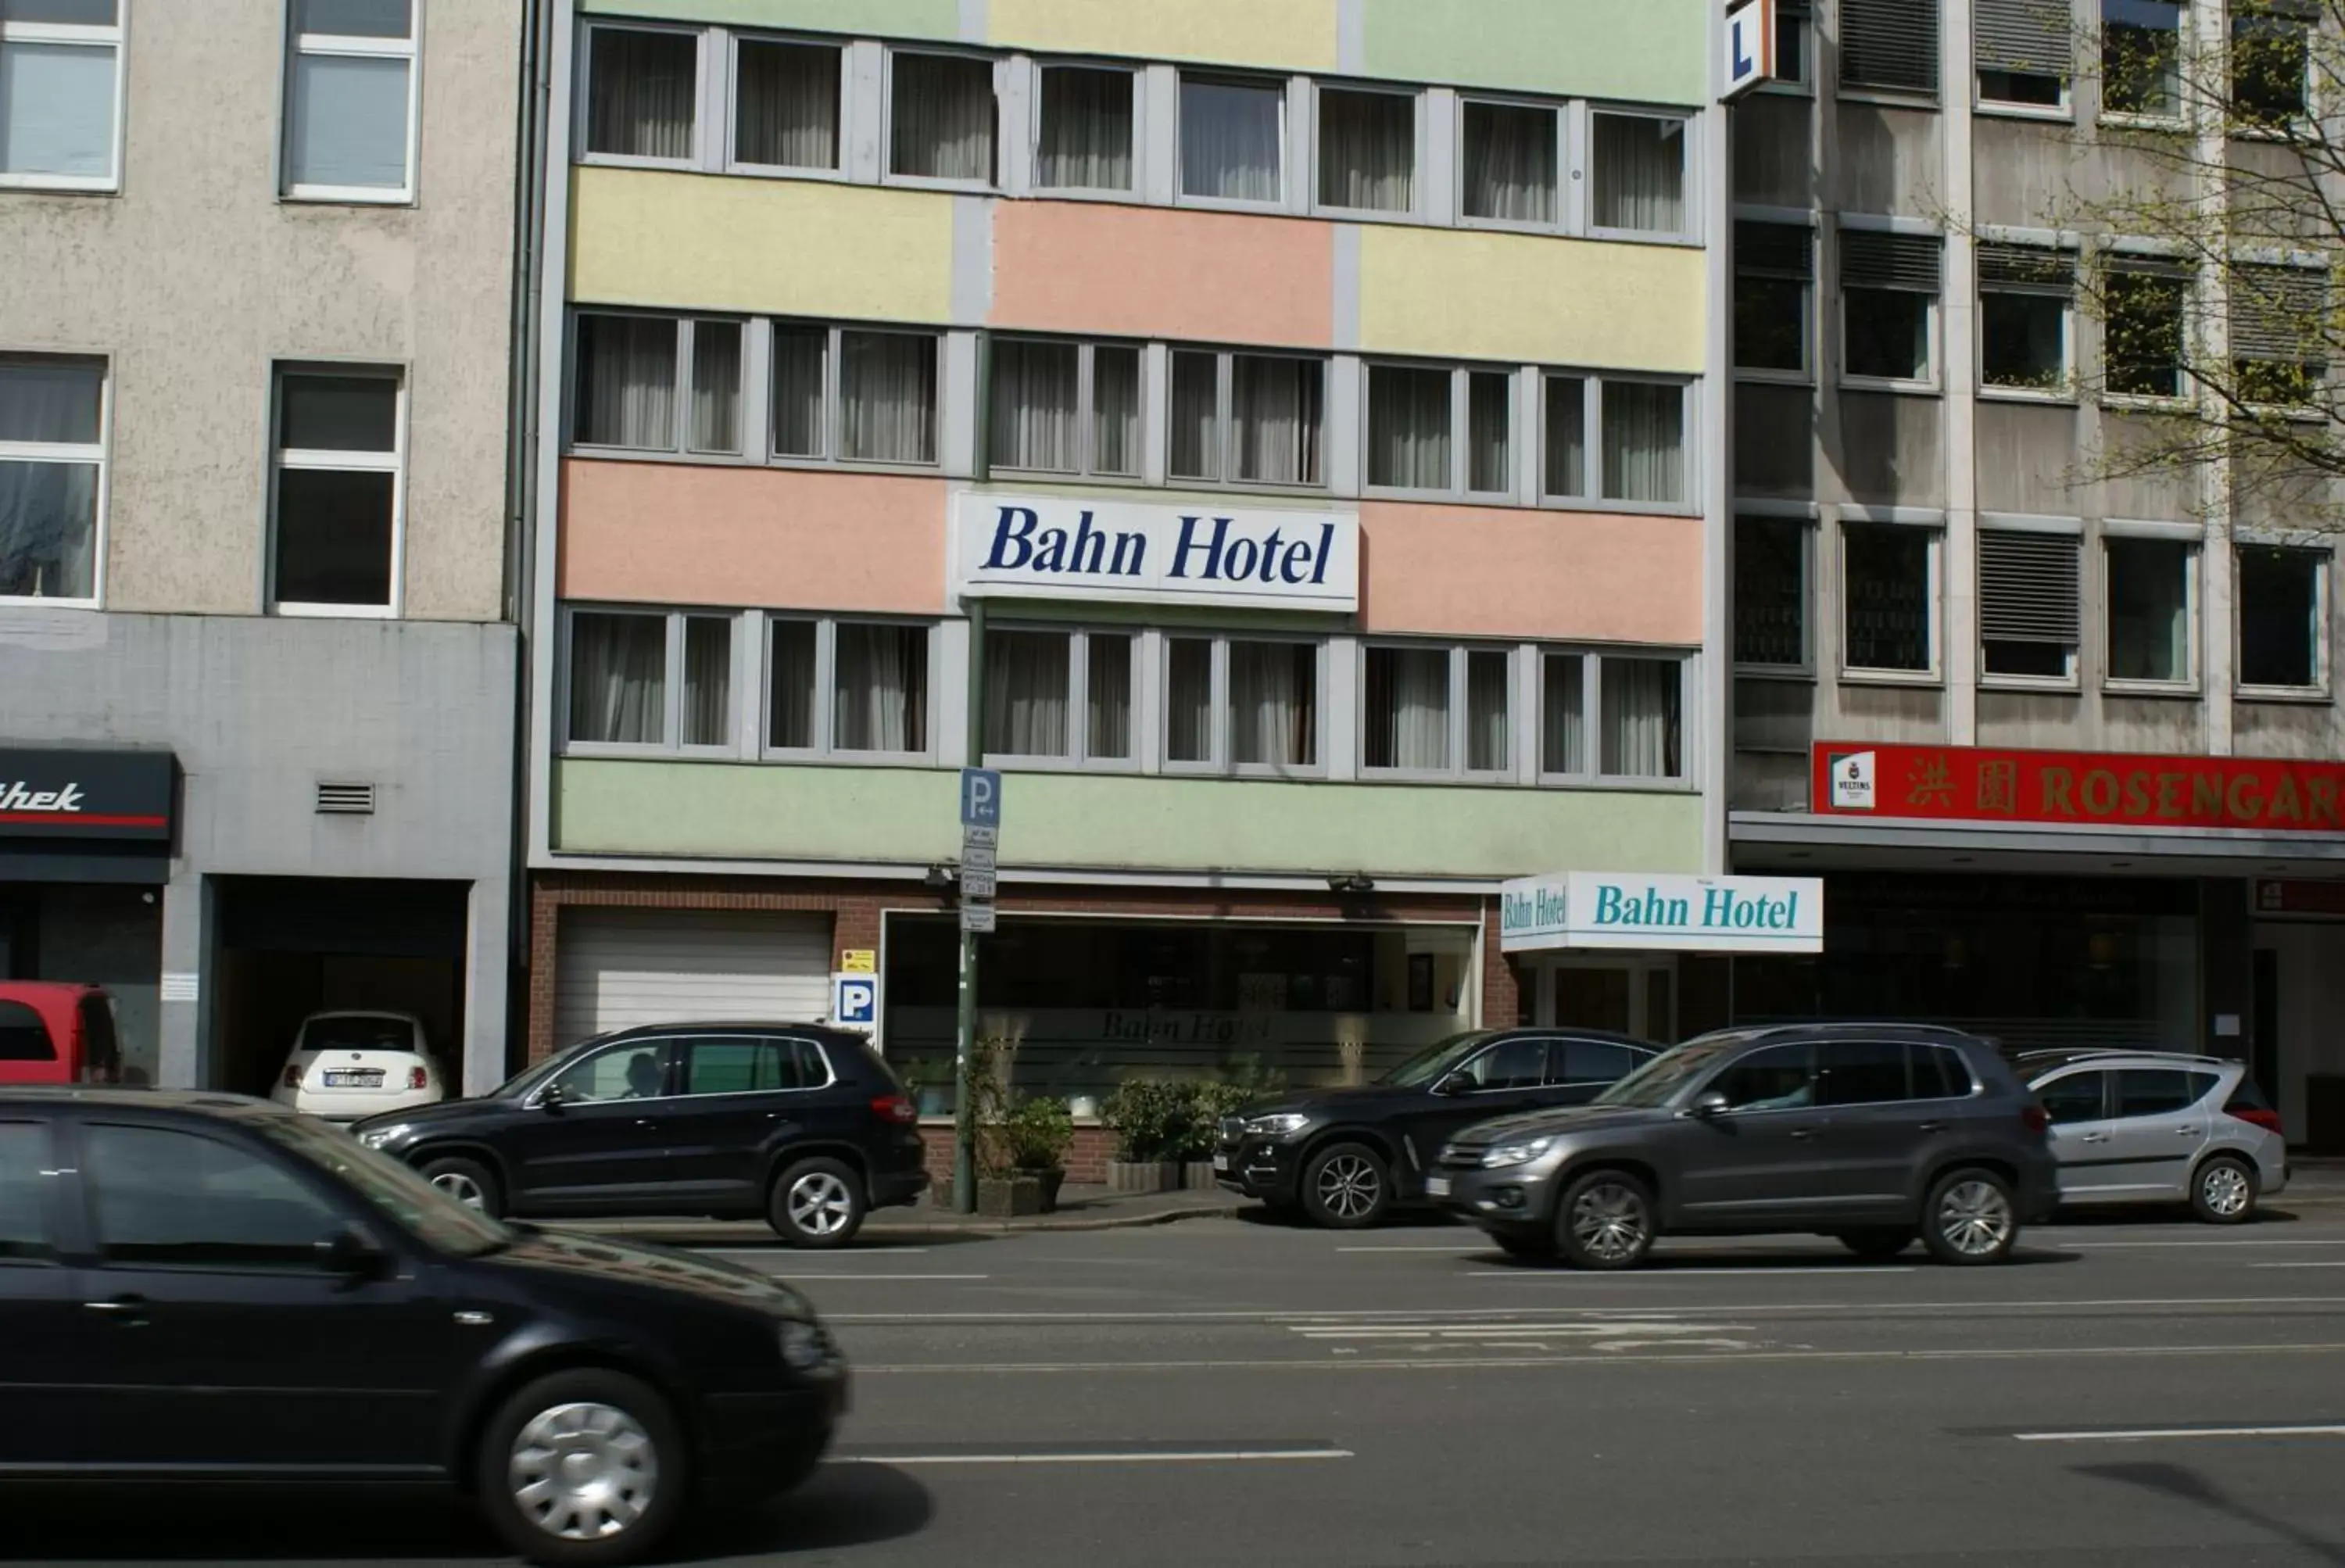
1628	994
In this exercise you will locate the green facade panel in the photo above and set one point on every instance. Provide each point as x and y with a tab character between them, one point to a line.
1638	51
863	18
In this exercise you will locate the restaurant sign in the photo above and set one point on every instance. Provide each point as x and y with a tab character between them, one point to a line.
2126	789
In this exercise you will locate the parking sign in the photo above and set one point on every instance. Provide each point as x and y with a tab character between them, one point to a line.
980	797
855	1002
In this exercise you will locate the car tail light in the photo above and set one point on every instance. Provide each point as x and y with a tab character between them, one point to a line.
292	1074
2036	1117
896	1108
2256	1116
417	1078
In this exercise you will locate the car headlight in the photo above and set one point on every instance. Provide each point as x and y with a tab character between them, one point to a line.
807	1348
1518	1154
1285	1124
376	1137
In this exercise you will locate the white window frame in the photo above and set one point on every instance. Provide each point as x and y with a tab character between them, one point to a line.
1593	498
78	453
1130	195
826	693
1457	771
2187	319
1077	757
1591	718
1460	417
1805	668
2195	554
731	100
116	37
1583	174
1416	192
680	435
2065	392
1570	195
834	407
1225	418
1933	337
2072	677
393	462
996	64
2324	606
2309	17
1286	138
2187	57
1086	413
339	45
1806	374
673	619
1799	15
582	114
1934	590
1220	764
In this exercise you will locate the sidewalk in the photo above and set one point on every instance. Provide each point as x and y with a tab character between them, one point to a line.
1081	1208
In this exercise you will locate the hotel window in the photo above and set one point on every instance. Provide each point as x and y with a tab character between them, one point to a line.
1770	592
338	502
1084	131
786	104
1510	155
1428	710
1234	704
52	476
651	680
857	395
1639	437
1889	305
1233	138
1060	407
1775	280
60	94
2152	610
2272	60
2142	308
2026	296
941	117
2026	50
1889	596
642	93
629	396
846	688
349	101
1640	174
1246	419
1059	696
2030	613
1414	415
1889	45
1638	702
2280	334
1368	150
2141	57
2283	607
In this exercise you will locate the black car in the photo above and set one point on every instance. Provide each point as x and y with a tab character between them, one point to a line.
802	1125
1342	1157
201	1286
1874	1133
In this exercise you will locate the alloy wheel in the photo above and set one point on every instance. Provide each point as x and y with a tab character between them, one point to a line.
462	1189
821	1204
2225	1190
584	1472
1974	1218
1349	1186
1609	1221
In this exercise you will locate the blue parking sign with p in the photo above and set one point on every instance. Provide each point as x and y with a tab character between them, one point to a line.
855	1000
980	797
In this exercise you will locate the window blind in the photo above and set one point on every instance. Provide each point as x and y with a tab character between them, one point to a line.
2027	266
1870	258
1775	247
1890	44
2034	36
2027	588
2276	314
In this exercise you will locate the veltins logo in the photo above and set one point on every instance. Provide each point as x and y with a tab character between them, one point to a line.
1852	781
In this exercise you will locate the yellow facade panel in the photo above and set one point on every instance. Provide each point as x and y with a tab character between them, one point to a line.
1531	299
1293	35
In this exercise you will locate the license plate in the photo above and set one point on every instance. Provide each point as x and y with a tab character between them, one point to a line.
354	1078
1221	1162
1437	1186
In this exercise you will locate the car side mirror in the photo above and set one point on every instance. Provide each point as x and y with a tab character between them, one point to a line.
354	1254
1458	1082
1710	1104
550	1098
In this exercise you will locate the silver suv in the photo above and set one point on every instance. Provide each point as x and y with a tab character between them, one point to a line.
2155	1127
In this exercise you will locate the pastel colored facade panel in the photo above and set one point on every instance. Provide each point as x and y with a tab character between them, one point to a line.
1600	304
872	19
1503	572
697	534
651	236
1294	35
1143	271
1638	51
1056	821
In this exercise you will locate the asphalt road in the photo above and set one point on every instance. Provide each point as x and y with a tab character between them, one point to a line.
1225	1391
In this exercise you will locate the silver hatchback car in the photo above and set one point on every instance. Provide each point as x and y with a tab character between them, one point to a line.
2157	1127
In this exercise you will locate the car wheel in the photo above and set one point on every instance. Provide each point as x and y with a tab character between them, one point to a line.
816	1203
2223	1192
583	1469
1882	1242
1345	1186
469	1182
1605	1221
1969	1217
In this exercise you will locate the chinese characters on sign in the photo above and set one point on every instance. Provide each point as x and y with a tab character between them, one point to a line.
2121	789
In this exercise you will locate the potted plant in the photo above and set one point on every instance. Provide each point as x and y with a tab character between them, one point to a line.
1208	1104
1030	1144
1150	1121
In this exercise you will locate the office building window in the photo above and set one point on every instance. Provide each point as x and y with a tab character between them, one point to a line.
888	396
2283	606
52	476
349	100
2026	298
1251	419
1432	711
1774	279
1889	45
642	93
1412	414
2281	325
628	394
1368	150
1642	710
2272	61
1889	304
1791	36
2143	305
658	680
60	94
340	436
2029	609
1059	696
2152	609
1233	138
1563	470
1644	442
1084	131
941	117
786	104
1563	706
2026	50
1065	408
1248	705
879	688
2141	57
1770	592
1510	155
1640	173
1889	597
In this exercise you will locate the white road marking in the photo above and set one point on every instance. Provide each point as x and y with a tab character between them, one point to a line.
1592	1358
1665	1273
1739	1309
884	1278
2131	1246
1457	1247
2149	1434
780	1250
2323	1263
1199	1456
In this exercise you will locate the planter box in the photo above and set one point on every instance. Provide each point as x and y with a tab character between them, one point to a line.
1197	1175
1009	1197
1143	1175
1051	1182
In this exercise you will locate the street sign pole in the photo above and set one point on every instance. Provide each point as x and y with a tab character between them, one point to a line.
965	1023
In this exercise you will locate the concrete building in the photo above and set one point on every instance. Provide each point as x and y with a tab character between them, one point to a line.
257	294
2063	746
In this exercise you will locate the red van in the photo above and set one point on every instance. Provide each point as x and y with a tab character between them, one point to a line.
53	1031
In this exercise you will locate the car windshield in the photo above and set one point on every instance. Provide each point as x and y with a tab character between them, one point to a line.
390	1189
1434	1062
1653	1084
529	1078
375	1032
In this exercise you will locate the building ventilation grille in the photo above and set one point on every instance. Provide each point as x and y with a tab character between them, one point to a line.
345	799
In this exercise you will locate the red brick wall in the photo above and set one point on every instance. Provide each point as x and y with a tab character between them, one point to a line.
1086	1162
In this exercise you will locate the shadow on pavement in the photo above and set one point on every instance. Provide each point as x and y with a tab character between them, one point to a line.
2189	1486
2098	1217
1403	1219
844	1505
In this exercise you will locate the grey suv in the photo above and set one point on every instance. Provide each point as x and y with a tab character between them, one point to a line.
1870	1133
2152	1126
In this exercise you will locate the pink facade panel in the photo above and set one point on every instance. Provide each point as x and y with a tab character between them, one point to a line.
698	533
1156	273
1478	571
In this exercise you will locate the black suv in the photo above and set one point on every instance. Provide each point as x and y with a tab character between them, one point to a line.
1342	1157
801	1124
1870	1133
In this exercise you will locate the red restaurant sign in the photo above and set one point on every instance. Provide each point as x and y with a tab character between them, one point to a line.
1966	784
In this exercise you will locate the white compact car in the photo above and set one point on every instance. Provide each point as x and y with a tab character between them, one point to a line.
346	1065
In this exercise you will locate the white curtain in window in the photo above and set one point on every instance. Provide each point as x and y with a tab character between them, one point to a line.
1490	417
1197	451
1189	700
1488	677
48	529
707	680
1510	163
618	678
786	111
940	123
1027	676
626	381
798	355
1409	708
883	688
1086	132
1640	718
716	386
56	107
346	122
1368	150
1408	427
1036	421
790	714
1109	696
1115	402
1640	173
1563	747
888	397
641	92
1644	438
1567	436
1275	406
1273	702
1230	138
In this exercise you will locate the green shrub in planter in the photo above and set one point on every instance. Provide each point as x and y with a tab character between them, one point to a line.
1034	1136
1153	1121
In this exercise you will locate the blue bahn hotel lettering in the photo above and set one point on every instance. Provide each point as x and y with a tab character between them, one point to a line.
1206	551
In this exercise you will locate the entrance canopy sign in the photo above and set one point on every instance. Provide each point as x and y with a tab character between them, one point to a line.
1596	911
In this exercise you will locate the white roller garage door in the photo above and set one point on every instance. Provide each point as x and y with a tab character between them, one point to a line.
618	968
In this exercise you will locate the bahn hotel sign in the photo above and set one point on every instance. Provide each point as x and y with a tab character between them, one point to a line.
1068	547
1615	911
1967	784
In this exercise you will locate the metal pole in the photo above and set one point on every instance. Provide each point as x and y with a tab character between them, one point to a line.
965	1027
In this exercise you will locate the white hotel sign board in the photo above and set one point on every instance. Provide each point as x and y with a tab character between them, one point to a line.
1069	547
1580	910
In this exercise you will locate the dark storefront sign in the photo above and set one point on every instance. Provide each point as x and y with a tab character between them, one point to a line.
86	815
2300	898
1969	784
